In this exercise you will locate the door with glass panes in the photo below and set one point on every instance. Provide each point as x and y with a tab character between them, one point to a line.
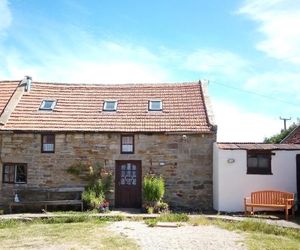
128	184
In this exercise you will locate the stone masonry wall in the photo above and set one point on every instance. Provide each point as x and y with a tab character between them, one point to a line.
185	163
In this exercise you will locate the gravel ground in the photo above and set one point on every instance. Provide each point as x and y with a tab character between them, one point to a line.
184	237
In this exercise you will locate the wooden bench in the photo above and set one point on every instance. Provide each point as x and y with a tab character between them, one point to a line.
271	199
48	197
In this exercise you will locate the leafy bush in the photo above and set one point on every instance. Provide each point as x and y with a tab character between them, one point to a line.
151	222
154	188
92	198
161	207
280	136
99	182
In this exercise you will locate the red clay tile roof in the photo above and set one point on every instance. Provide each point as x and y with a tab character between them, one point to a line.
79	108
256	146
7	89
293	137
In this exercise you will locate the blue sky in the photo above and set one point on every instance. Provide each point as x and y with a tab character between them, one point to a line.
249	50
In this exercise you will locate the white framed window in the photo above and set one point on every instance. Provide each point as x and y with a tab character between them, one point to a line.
48	143
155	105
127	144
14	173
110	105
47	105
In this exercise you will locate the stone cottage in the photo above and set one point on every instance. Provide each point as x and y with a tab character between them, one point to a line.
132	129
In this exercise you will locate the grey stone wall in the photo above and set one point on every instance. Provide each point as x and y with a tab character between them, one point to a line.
185	163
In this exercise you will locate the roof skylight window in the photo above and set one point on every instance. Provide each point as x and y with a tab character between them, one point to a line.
155	105
110	105
47	105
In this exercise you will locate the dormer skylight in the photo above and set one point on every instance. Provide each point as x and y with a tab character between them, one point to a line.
47	105
110	105
155	105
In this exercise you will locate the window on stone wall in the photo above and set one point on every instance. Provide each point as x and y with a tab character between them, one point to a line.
259	162
14	173
48	143
127	144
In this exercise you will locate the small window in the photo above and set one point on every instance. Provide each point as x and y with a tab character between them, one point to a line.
127	144
14	173
48	143
110	105
259	162
155	105
47	105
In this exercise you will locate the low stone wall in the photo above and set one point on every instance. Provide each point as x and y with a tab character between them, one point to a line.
184	162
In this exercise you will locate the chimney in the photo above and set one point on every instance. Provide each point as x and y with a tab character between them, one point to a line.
27	81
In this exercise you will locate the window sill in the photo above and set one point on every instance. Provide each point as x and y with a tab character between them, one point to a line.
257	173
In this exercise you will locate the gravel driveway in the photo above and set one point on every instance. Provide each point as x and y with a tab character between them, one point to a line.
184	237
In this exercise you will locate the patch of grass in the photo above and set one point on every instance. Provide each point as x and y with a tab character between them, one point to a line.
167	217
200	220
71	235
173	217
258	227
9	223
258	241
61	219
259	235
67	219
151	222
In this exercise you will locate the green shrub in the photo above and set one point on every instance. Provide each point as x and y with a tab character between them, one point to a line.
161	207
150	210
151	222
99	182
92	198
154	188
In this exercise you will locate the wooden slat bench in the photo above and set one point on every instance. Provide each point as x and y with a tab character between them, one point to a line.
271	199
48	197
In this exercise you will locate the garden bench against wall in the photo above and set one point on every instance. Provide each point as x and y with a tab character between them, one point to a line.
63	196
271	199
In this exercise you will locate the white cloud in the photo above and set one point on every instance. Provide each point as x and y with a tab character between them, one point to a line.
238	125
89	61
280	84
5	15
279	22
216	62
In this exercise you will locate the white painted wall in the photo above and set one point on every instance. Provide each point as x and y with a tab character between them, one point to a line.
232	183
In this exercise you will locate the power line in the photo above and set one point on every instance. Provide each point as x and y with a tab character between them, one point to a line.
255	93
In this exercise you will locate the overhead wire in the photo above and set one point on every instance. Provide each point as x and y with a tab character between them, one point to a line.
254	93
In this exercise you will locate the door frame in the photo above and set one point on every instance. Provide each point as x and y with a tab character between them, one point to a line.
138	164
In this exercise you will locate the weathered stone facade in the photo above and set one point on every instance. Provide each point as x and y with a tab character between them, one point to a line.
184	161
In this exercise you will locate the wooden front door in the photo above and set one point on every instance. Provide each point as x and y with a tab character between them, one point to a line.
128	184
298	177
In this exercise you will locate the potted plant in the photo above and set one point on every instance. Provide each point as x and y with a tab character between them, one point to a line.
104	206
154	190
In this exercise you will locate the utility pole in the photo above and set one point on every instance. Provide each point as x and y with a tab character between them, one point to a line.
284	121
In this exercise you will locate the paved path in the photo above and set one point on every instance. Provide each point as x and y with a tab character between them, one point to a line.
184	237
